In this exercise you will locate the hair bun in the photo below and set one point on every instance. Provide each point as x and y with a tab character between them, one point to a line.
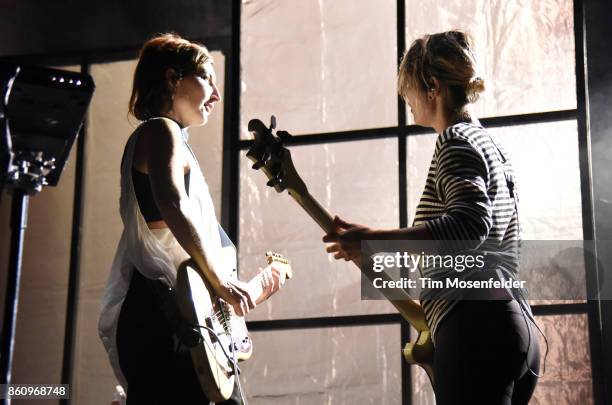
474	87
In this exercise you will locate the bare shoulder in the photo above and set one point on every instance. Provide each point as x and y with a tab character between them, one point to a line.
156	135
160	129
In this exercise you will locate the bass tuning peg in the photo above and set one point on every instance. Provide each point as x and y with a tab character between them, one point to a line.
272	122
273	182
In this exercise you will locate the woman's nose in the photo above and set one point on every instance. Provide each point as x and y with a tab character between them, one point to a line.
216	96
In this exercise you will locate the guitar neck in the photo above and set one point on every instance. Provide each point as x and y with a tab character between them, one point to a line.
315	210
407	307
255	287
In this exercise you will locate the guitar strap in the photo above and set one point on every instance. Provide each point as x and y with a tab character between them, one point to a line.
225	240
518	294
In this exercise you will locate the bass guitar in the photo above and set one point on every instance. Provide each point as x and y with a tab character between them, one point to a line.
269	155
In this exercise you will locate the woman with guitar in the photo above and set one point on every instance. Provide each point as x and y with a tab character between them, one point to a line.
168	216
486	351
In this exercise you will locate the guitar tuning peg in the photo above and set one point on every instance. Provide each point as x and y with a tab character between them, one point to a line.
273	182
272	122
276	168
258	165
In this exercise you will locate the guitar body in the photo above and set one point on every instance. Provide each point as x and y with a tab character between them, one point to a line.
224	338
200	306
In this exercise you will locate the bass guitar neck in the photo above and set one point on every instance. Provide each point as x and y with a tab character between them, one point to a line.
409	309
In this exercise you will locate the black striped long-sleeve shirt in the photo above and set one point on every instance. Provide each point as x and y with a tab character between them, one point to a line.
469	196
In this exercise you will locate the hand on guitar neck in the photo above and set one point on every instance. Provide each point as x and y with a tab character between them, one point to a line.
267	282
346	241
245	296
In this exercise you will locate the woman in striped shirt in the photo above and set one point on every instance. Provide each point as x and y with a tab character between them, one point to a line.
486	351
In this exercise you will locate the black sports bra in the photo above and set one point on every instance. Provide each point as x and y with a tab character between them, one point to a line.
144	195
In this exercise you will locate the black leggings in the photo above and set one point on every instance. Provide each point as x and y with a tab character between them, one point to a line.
481	355
157	373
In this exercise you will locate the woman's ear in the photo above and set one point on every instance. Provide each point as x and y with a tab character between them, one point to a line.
172	79
434	88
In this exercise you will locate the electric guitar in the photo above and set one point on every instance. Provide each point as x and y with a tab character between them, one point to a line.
270	156
221	337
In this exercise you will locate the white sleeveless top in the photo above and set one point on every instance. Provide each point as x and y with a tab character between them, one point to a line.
140	248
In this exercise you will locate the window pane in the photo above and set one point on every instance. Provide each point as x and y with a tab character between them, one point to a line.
107	132
525	49
351	365
546	162
318	66
567	379
419	151
348	179
545	158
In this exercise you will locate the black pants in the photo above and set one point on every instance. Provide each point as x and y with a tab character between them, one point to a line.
482	352
157	373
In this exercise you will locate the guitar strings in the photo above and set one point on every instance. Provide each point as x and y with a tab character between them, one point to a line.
224	319
224	324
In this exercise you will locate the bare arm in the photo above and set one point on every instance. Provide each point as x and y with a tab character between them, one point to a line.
165	160
346	242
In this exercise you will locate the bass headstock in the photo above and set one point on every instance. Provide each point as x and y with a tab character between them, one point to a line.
270	156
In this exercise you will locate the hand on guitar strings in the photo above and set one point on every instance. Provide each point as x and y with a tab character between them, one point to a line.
235	293
346	240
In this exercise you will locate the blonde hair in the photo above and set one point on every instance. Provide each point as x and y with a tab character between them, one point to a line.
448	57
150	92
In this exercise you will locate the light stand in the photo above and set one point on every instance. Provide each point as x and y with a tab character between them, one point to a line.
41	112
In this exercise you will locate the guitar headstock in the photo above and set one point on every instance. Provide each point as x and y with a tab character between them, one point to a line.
269	155
280	263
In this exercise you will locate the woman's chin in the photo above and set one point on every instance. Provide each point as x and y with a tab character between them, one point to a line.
200	119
